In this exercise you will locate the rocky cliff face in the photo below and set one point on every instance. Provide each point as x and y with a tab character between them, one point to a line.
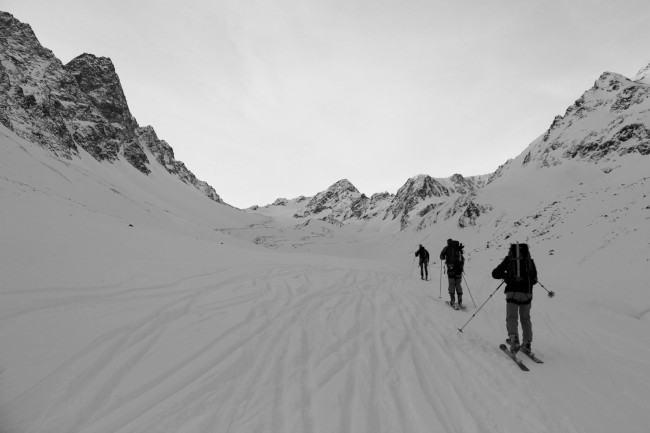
608	121
164	155
78	105
38	96
422	194
335	205
342	203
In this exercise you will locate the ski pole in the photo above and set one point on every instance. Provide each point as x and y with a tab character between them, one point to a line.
470	293
551	293
412	265
440	294
479	308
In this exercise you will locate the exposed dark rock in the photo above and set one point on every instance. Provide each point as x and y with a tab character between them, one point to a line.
81	104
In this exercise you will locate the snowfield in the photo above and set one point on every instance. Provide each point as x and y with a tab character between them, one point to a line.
132	303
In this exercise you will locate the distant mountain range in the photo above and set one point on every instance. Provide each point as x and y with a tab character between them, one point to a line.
608	126
342	203
81	107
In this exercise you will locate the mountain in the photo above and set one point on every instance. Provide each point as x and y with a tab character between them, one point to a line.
584	181
80	105
336	204
343	204
131	303
608	121
588	171
422	194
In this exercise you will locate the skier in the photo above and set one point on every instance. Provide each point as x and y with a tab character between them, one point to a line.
452	254
520	275
424	262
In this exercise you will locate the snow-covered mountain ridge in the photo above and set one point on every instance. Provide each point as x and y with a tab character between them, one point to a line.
77	105
608	122
589	169
342	203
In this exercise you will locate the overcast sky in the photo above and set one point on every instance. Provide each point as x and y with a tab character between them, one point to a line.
266	99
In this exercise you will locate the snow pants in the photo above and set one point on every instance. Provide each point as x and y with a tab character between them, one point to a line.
455	288
424	270
516	312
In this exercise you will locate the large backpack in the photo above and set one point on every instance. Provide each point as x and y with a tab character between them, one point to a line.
454	255
520	266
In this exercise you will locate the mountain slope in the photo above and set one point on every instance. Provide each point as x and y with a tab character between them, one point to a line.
78	105
81	199
608	121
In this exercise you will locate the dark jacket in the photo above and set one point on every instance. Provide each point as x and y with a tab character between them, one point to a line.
518	292
423	254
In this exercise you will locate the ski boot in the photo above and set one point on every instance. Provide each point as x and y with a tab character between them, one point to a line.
526	348
513	341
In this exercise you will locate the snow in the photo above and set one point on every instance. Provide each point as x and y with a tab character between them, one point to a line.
132	303
642	76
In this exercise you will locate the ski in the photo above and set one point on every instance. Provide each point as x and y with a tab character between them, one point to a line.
513	356
455	306
532	356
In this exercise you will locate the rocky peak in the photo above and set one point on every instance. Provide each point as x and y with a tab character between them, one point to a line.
97	78
18	36
461	184
457	178
334	203
30	77
414	191
79	105
343	185
607	121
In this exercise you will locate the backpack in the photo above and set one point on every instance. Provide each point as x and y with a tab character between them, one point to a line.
424	255
520	266
454	255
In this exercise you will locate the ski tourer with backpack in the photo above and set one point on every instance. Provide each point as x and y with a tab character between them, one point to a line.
519	273
452	254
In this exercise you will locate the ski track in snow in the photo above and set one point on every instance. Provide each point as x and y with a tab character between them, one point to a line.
288	349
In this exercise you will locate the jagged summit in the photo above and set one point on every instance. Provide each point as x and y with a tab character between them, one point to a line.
97	78
333	204
342	203
343	185
608	121
422	193
80	105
